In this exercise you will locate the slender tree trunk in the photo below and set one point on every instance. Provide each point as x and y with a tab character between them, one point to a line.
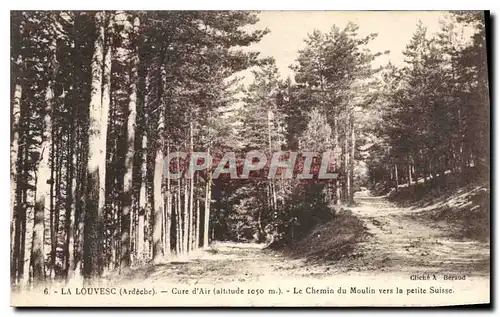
351	164
270	145
185	212
28	228
272	195
20	219
163	217
27	216
20	224
157	194
108	20
396	176
168	210
143	200
260	229
158	170
337	162
424	168
208	199
409	173
14	152
79	93
347	162
158	205
191	190
92	253
142	195
412	169
178	216
17	78
198	221
70	202
44	181
106	102
80	210
129	156
55	194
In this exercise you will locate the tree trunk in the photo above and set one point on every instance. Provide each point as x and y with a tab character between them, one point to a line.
27	273
142	105
158	203
185	212
129	156
108	20
50	213
44	181
337	161
272	191
158	169
178	216
80	216
191	190
197	232
70	201
14	152
208	199
351	164
27	216
168	210
347	163
142	195
17	78
94	203
396	176
20	220
409	174
19	230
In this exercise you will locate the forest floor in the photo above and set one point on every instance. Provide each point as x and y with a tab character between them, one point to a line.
395	243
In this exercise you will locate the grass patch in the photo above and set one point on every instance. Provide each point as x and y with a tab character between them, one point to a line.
331	241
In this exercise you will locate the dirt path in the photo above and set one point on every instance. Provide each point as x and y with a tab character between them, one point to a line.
397	244
403	242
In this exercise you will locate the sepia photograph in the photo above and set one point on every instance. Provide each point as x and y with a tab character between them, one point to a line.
249	158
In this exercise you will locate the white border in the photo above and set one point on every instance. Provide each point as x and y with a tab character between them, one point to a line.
213	5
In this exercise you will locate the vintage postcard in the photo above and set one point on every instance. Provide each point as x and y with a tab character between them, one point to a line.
241	158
